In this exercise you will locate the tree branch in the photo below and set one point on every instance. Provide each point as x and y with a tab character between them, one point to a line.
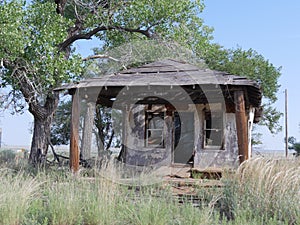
53	151
28	89
100	57
67	43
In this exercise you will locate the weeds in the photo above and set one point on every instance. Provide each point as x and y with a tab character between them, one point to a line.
270	188
262	191
17	193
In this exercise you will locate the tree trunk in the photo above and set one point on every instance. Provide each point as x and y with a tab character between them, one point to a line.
42	105
43	116
40	140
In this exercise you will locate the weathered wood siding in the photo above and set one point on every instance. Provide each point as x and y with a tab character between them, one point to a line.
227	157
135	151
137	154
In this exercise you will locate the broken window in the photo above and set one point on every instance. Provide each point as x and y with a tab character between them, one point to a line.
213	127
155	129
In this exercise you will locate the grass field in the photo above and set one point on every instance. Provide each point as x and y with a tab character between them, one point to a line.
262	191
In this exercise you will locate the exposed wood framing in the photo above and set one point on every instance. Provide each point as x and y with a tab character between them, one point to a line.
74	137
241	125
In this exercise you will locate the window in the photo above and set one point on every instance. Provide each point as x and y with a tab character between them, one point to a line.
213	127
155	129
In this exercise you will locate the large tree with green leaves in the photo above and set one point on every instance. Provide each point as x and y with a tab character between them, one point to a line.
32	64
250	64
37	52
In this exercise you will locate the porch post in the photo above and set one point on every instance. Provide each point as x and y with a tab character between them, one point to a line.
241	125
74	136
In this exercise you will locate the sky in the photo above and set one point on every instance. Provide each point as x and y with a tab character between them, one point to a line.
271	27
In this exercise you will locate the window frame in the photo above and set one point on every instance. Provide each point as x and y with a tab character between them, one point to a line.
162	115
215	108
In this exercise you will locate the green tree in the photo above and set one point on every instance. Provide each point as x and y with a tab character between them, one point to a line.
294	145
250	64
33	64
37	51
60	129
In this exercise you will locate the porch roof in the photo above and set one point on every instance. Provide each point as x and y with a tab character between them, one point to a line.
169	72
162	73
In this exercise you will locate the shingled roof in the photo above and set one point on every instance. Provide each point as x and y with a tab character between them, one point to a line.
166	72
170	72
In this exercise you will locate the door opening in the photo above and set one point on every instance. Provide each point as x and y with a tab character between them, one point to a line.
184	133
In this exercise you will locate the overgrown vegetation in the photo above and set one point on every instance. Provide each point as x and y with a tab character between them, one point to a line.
262	191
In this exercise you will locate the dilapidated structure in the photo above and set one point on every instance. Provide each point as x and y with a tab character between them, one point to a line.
174	114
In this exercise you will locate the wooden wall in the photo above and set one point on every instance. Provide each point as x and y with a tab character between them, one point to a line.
138	154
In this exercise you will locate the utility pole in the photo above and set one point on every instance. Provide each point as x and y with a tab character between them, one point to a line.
286	123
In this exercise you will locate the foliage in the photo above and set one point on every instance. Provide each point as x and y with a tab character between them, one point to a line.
7	156
108	123
161	20
30	37
107	126
250	64
256	138
60	129
140	52
294	145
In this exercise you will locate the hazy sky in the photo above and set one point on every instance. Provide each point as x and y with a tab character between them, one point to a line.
270	27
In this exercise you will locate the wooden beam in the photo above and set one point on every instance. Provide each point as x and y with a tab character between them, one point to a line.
241	125
74	137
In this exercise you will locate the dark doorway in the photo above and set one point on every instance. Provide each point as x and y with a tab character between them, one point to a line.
183	137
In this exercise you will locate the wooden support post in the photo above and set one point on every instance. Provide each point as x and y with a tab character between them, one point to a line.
86	144
74	137
241	125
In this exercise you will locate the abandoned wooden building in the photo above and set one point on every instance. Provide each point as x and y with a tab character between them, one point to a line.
174	114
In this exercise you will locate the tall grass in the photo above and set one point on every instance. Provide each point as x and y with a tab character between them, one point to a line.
17	193
262	191
270	188
98	201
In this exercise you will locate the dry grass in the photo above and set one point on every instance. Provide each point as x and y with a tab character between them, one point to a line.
270	188
262	191
17	193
